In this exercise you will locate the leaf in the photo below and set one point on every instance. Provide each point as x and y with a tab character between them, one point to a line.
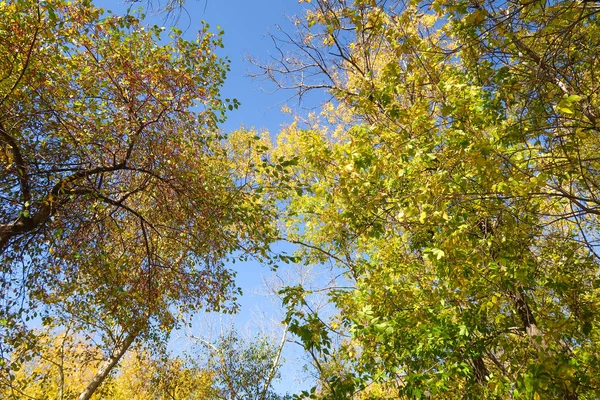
439	254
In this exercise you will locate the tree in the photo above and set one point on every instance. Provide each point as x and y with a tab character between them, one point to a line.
241	368
453	177
142	376
60	368
119	196
67	363
230	368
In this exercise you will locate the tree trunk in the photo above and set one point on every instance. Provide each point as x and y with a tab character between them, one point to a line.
528	320
480	370
107	366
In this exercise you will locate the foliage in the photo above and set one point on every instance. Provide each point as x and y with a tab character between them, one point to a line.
119	198
66	364
453	177
62	364
167	377
242	368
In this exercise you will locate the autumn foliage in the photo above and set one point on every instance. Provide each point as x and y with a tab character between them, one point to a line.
449	180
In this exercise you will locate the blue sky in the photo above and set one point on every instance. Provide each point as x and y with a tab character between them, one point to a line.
246	25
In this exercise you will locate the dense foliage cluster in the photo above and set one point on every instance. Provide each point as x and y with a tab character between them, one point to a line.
453	177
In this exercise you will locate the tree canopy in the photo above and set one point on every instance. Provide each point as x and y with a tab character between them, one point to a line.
450	179
453	179
119	195
228	368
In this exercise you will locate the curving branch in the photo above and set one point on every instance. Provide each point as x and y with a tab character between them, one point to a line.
10	145
28	222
